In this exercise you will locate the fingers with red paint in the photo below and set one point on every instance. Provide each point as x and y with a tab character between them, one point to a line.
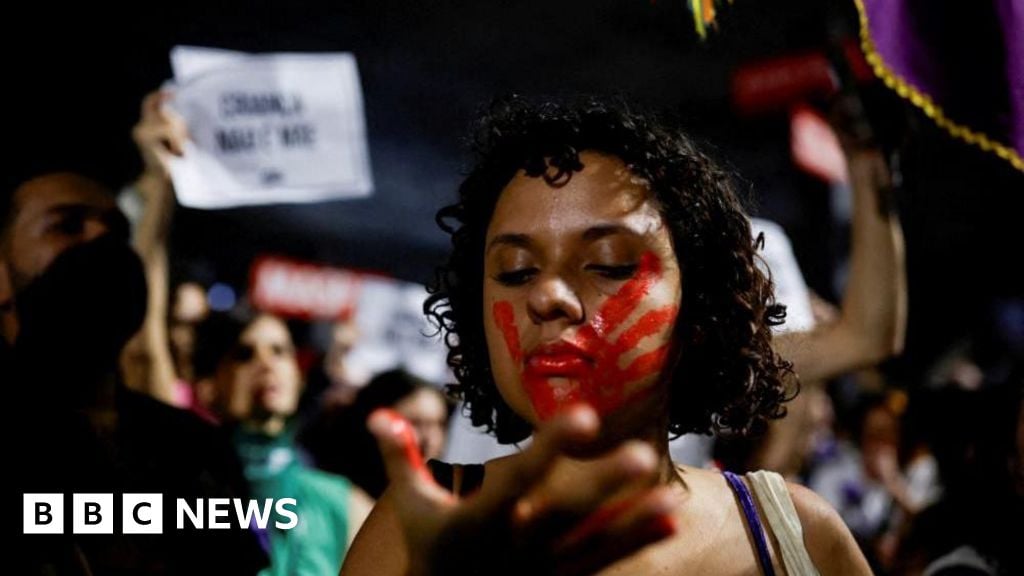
420	506
398	444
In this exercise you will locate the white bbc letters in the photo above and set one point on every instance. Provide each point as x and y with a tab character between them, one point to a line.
142	514
92	514
43	514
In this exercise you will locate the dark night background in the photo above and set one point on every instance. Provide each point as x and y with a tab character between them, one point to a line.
74	78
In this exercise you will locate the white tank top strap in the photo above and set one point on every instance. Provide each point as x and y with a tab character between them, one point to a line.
773	495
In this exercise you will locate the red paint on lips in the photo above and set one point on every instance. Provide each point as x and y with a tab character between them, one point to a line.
556	365
559	358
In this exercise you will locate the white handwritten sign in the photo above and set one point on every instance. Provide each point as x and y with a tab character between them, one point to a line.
269	128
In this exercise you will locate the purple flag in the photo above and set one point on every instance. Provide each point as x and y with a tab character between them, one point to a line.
962	63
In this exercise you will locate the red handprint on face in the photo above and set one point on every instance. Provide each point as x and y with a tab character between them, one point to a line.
587	368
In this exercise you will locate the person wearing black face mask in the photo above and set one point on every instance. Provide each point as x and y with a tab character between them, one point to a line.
83	307
72	292
67	284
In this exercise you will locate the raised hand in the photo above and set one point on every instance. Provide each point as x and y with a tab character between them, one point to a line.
159	134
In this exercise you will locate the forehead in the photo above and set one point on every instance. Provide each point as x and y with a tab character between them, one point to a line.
423	400
605	191
266	328
45	193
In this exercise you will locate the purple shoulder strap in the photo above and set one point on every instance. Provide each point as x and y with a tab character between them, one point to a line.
753	521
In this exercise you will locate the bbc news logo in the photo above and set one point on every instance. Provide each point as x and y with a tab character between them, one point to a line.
144	513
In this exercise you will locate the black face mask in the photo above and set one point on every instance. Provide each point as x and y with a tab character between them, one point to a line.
76	317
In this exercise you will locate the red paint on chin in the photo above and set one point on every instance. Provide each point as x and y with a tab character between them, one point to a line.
549	394
587	370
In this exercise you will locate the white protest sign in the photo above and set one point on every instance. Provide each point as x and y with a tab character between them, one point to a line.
269	128
394	333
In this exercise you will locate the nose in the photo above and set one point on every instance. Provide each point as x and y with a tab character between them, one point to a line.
553	299
431	437
263	357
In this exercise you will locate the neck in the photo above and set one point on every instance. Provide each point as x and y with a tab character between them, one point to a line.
634	422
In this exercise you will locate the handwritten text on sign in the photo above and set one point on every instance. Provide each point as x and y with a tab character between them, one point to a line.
269	129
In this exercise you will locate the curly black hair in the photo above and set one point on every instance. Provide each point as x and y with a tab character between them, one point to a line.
726	375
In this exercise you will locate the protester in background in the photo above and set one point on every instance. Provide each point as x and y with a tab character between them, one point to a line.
189	307
880	481
340	391
71	294
246	374
975	529
246	360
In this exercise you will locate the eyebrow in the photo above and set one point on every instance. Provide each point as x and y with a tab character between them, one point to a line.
589	235
598	232
519	240
116	221
71	209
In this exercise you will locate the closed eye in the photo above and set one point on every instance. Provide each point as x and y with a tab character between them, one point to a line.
516	277
282	350
69	224
621	272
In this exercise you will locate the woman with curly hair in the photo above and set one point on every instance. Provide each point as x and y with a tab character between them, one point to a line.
602	294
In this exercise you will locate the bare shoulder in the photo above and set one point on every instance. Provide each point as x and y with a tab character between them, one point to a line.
828	540
360	504
379	547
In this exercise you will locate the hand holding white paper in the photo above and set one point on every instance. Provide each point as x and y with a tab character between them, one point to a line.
265	129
